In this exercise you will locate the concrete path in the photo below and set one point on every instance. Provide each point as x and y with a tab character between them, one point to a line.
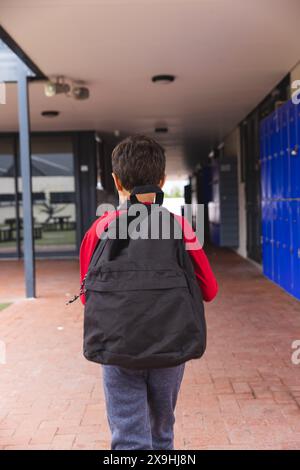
244	394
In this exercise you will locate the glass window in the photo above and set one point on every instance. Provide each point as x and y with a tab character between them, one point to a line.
8	235
53	193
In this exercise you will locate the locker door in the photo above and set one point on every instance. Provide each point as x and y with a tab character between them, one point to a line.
276	155
296	155
295	282
263	143
285	260
276	241
293	151
265	246
268	266
271	239
268	174
280	159
273	154
285	151
264	236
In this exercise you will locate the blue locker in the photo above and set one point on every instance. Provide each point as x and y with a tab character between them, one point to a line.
268	158
280	183
264	240
274	158
271	238
263	144
295	210
277	193
285	249
295	157
281	154
263	221
284	151
267	245
277	223
293	151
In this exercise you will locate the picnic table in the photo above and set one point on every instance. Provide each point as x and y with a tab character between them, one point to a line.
62	221
8	232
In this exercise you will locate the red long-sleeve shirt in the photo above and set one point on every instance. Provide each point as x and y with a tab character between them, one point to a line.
203	271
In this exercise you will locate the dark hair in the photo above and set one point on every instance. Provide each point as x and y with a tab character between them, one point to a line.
138	160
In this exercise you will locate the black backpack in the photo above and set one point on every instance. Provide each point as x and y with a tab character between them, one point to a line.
143	307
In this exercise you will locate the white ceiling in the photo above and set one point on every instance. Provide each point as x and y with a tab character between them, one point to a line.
226	55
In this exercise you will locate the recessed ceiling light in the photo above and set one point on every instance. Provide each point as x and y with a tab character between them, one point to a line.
161	130
50	113
163	79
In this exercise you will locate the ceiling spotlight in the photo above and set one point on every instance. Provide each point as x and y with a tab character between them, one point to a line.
163	79
57	87
116	133
50	114
80	93
161	130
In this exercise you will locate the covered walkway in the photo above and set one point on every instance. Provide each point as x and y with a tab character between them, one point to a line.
244	394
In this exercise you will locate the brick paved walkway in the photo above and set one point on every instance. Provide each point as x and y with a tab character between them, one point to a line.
244	394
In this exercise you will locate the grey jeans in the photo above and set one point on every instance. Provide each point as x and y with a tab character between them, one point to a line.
140	406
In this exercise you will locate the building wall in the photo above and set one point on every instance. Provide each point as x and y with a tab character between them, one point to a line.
232	149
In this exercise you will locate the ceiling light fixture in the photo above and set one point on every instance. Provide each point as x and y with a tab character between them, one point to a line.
80	93
56	87
59	85
164	79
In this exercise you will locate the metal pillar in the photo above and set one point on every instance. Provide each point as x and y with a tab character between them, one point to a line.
24	137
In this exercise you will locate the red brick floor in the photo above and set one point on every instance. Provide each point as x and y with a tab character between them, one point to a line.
244	394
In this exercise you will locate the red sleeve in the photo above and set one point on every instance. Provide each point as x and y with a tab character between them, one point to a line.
206	279
90	241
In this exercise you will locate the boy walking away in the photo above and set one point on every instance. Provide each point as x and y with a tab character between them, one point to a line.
143	296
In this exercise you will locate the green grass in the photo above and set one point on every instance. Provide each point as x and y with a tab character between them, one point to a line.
3	306
64	237
59	237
